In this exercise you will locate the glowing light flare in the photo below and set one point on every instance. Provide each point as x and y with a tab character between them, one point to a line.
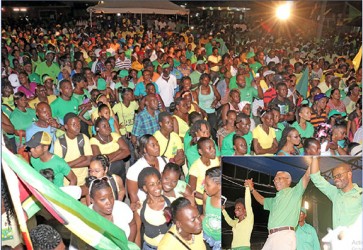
306	205
283	11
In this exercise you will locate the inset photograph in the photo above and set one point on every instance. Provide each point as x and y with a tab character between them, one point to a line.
292	203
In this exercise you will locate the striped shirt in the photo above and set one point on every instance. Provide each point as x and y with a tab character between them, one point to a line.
126	64
316	119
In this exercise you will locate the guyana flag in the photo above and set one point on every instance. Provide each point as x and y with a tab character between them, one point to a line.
82	221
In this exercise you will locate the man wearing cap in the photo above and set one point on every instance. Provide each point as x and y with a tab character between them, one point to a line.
41	158
48	66
284	210
70	147
33	77
306	237
345	195
167	85
122	62
254	65
122	82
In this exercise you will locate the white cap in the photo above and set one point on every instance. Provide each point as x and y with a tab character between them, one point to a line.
97	52
268	72
14	80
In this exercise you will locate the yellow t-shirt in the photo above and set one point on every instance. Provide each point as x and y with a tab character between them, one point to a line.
126	115
156	218
214	59
175	143
95	115
265	140
109	147
34	102
170	242
183	126
72	154
198	170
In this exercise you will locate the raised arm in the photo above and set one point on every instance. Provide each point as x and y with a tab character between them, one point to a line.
259	198
306	177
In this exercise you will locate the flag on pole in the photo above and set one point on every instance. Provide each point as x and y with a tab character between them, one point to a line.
82	221
357	59
303	83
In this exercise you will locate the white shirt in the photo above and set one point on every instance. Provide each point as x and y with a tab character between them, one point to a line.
166	89
139	165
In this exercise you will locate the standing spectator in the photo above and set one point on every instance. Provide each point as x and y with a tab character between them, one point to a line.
306	237
167	85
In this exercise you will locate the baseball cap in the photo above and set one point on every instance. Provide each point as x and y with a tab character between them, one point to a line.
101	84
199	62
303	210
336	112
268	72
123	73
39	138
34	78
250	54
319	96
49	51
14	80
166	65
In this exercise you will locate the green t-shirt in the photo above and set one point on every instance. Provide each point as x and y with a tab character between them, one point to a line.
59	166
285	207
81	98
278	131
306	238
61	107
52	71
192	153
212	220
255	66
233	81
347	206
22	120
307	133
195	76
227	144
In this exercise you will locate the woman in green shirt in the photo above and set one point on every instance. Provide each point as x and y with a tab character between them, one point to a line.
302	124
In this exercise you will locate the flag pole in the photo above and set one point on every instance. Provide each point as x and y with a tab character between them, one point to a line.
12	180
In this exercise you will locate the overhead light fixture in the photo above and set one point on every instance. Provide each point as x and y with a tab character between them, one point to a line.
16	9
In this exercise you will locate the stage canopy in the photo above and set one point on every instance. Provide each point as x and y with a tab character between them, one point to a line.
138	7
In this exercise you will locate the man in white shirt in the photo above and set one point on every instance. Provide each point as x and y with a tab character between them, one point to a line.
167	84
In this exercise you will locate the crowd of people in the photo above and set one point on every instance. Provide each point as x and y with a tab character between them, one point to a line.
146	113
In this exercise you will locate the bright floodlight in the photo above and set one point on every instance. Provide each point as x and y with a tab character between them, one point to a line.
283	11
